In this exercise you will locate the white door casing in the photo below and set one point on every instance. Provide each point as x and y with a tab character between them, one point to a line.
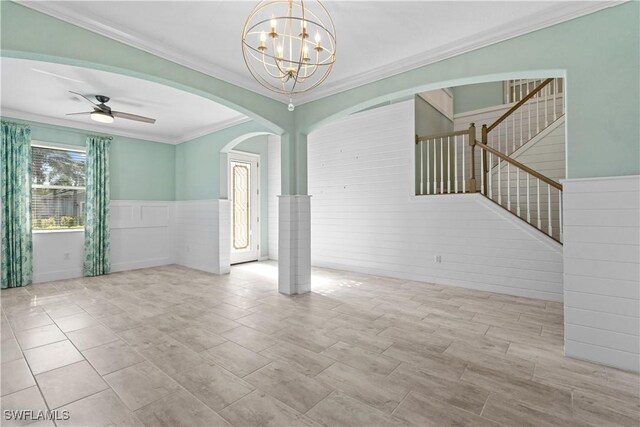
244	190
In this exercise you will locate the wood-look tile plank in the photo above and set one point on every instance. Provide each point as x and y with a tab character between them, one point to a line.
421	410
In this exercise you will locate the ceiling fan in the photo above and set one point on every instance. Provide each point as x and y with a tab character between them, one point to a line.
104	114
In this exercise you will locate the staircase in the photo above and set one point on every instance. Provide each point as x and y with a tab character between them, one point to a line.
459	162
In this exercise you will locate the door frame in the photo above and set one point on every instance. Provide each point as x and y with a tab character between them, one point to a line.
236	155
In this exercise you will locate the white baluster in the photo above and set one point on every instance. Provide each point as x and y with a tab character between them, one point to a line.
455	162
538	207
560	213
499	181
528	113
562	100
435	167
509	186
518	191
464	166
546	98
506	134
490	176
513	131
549	209
520	87
441	166
555	93
428	167
482	156
537	96
449	164
483	161
528	200
421	167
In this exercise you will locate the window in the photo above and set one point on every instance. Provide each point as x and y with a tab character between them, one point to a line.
57	188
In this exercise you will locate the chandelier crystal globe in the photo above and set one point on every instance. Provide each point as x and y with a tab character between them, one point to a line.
289	46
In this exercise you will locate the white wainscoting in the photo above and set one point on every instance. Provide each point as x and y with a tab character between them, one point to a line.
142	234
203	235
57	255
274	190
602	270
363	217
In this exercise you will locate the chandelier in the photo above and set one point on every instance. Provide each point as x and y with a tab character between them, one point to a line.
289	46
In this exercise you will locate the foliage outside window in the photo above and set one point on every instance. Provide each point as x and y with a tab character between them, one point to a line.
57	188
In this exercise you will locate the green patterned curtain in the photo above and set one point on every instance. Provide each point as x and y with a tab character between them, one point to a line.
15	191
96	231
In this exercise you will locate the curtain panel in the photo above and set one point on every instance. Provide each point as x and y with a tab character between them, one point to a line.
16	266
96	235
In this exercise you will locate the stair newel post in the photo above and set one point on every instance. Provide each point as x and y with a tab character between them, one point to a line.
485	170
472	144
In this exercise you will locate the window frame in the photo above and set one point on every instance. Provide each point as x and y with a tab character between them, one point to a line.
63	147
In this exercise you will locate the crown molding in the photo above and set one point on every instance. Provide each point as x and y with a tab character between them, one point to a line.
561	13
541	20
104	129
132	38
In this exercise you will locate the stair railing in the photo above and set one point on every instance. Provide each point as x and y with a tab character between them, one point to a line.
441	166
447	163
536	109
531	196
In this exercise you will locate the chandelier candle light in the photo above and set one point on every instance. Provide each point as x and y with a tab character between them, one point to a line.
289	46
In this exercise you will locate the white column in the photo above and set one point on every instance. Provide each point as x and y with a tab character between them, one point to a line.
294	244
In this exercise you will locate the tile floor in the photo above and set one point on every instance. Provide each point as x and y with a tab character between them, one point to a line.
178	347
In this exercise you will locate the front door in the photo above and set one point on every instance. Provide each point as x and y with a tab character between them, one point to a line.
243	197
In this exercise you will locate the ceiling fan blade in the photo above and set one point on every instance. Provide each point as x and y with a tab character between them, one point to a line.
78	114
49	73
135	117
84	97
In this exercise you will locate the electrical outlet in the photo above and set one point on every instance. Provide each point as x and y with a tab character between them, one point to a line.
437	259
67	256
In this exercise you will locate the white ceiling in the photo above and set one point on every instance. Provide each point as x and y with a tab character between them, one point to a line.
375	39
44	96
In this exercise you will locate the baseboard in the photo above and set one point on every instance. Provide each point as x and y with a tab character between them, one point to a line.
602	355
135	265
519	292
57	275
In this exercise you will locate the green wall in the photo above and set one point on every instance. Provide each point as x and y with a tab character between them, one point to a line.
139	169
429	120
598	54
477	96
197	174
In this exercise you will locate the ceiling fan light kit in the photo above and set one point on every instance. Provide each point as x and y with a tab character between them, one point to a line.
289	46
101	117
